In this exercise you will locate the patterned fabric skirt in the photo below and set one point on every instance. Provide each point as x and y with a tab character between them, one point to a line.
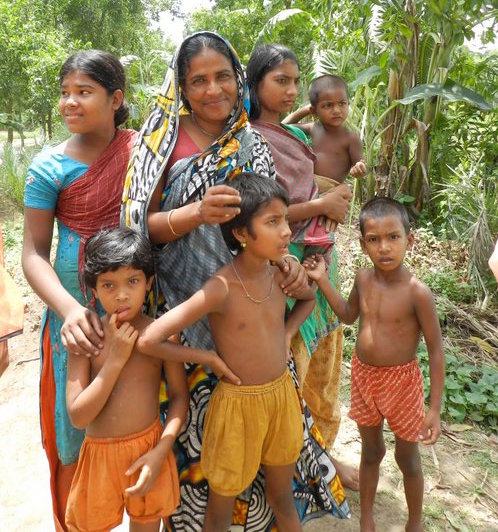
317	488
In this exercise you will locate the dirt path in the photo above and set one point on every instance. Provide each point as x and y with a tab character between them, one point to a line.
461	473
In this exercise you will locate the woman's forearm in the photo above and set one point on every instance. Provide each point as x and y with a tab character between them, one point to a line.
166	226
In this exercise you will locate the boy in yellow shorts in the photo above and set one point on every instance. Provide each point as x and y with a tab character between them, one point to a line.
259	421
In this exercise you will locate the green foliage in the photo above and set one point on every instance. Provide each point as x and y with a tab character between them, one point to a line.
469	390
449	284
13	172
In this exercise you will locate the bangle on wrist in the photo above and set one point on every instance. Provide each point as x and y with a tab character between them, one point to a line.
170	213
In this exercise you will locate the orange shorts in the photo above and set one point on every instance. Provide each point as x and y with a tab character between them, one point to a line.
247	426
395	393
97	499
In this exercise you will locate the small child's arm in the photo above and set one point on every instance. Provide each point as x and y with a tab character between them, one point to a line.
86	399
359	168
302	308
178	402
153	340
347	311
299	114
429	323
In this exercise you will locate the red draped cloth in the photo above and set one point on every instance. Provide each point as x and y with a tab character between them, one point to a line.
93	201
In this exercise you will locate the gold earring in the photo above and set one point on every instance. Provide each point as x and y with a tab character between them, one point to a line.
243	245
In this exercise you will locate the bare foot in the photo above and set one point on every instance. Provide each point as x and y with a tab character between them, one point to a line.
348	474
414	527
367	524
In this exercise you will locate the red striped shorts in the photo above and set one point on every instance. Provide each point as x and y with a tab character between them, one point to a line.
394	393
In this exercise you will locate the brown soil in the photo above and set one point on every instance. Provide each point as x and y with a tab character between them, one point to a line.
461	472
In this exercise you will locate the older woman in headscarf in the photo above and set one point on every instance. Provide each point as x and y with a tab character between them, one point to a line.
178	191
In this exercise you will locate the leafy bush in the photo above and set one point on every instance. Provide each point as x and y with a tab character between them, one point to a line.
15	164
469	390
449	284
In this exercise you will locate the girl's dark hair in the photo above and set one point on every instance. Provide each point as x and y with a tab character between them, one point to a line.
263	60
382	207
189	49
105	69
255	191
110	249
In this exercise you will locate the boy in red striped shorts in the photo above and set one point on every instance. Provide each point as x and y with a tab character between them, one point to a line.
394	308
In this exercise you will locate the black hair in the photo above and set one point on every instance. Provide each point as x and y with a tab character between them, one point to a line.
263	60
105	69
110	249
190	48
255	191
380	207
327	81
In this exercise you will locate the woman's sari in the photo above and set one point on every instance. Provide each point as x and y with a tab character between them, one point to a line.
183	266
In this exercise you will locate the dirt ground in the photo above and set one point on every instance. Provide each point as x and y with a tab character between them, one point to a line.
461	471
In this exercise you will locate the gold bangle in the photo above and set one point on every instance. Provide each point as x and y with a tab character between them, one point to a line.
169	223
290	256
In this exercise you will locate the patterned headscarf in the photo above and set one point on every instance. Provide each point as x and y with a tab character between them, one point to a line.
238	148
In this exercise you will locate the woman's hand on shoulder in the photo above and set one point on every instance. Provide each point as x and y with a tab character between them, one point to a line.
219	204
82	332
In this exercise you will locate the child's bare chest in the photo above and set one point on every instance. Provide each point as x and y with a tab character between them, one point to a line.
387	306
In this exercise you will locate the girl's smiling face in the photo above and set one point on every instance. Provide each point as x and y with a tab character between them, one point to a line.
85	105
278	90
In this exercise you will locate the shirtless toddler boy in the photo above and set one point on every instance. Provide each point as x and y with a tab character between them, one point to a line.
338	150
260	421
394	309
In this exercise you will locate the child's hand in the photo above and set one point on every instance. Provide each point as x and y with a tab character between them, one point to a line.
120	339
316	267
150	466
431	428
220	369
359	169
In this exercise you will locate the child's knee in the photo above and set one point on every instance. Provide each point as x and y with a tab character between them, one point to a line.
279	501
373	454
409	463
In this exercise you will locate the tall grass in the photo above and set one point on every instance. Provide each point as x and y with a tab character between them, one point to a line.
15	163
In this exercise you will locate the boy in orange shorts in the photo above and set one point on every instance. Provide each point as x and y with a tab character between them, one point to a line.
126	459
259	421
394	308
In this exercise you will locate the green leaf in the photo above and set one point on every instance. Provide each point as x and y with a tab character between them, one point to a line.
450	91
364	77
384	56
405	31
476	398
405	198
457	399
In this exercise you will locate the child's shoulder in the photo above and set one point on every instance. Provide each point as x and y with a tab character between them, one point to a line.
418	289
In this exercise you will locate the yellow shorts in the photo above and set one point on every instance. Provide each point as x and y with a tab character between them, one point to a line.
246	426
96	500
